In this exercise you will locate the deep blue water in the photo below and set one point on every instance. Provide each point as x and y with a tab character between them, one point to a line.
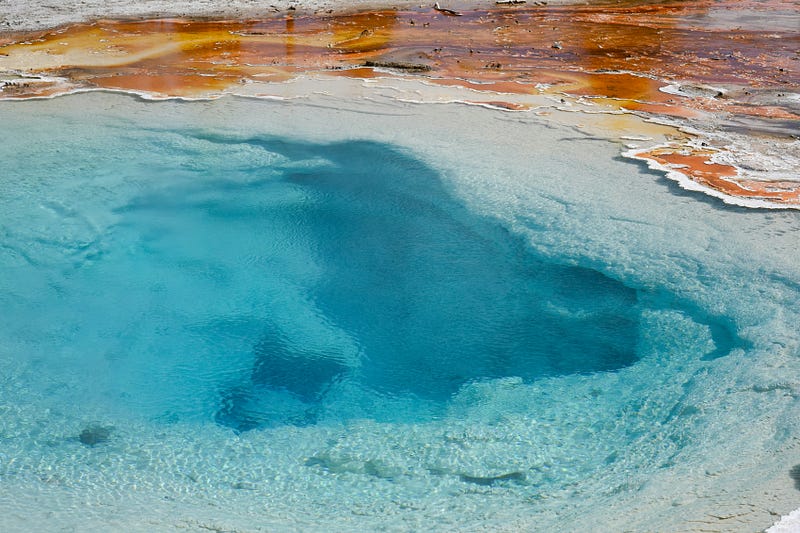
432	295
411	294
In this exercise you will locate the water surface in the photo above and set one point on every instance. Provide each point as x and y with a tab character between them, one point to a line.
314	321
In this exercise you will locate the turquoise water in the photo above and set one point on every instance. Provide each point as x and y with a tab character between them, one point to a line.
319	330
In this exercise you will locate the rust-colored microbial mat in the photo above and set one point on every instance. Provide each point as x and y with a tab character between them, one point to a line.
732	64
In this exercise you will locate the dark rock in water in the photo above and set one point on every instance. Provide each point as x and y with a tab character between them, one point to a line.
399	65
488	481
794	473
93	435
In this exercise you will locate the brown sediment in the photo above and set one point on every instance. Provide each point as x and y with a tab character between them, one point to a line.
617	56
622	53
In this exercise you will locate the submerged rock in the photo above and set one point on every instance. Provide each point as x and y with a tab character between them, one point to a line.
95	434
488	481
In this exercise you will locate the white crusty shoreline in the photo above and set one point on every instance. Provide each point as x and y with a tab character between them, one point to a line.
22	15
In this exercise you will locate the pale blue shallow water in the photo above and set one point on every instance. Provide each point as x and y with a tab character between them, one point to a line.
341	327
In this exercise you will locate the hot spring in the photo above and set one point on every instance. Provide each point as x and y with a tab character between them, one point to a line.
290	315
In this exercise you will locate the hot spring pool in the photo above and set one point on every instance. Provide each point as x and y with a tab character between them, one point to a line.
302	315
